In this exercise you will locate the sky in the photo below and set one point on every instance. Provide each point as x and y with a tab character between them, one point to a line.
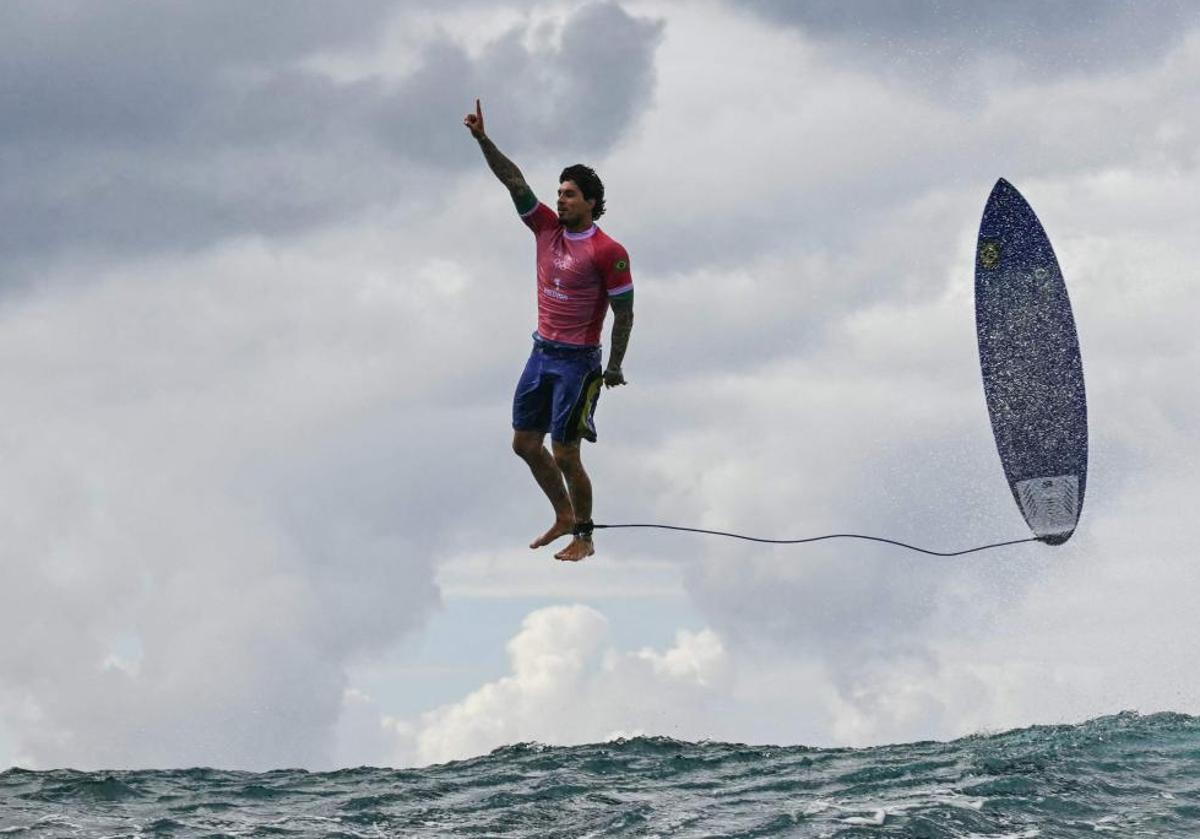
263	306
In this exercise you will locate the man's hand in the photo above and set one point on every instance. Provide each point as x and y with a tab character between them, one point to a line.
501	166
613	378
474	122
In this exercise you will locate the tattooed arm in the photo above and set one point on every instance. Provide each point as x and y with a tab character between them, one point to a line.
501	166
622	306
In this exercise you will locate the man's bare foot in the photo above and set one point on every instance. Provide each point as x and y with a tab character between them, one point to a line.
577	550
561	528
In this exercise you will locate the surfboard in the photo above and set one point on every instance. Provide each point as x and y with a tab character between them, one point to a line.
1031	365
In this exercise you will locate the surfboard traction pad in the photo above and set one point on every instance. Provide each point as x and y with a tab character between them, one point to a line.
1050	505
1032	370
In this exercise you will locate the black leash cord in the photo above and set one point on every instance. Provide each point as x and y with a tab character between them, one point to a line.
820	538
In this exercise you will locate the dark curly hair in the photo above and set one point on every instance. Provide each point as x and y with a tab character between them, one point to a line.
589	184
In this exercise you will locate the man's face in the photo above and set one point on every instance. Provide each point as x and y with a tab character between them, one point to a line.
572	208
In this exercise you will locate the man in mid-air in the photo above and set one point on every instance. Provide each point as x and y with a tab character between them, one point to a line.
581	271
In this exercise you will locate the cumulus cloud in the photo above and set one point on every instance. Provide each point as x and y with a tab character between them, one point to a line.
970	672
569	685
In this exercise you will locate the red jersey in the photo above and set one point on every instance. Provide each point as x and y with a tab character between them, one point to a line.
576	274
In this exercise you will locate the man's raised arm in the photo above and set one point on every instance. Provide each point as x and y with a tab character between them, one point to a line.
504	169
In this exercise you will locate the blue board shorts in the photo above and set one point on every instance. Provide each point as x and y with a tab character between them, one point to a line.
558	391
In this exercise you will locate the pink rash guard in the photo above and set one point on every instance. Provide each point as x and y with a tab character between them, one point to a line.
576	275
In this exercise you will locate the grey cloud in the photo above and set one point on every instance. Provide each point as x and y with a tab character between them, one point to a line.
839	601
1071	36
144	128
607	70
579	96
78	73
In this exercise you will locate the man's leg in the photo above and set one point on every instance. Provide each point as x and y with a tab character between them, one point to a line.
528	445
568	460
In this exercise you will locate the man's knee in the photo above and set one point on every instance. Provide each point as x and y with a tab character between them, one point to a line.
527	444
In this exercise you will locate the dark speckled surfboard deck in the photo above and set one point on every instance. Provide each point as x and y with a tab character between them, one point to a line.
1032	370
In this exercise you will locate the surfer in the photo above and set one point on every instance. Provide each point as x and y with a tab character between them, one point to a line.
581	272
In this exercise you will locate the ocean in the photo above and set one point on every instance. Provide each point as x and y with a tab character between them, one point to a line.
1123	775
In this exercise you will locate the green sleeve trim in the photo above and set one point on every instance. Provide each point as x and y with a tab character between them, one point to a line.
524	200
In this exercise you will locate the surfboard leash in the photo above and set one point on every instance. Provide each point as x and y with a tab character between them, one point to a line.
587	527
